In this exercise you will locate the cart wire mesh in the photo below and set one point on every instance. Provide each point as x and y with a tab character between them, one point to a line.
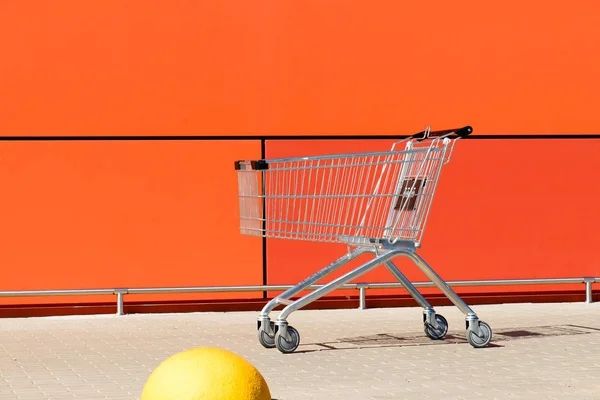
349	198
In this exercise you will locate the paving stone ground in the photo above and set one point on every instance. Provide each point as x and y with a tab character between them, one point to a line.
539	351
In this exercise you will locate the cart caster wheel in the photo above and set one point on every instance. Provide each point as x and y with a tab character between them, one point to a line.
266	340
439	332
484	339
285	346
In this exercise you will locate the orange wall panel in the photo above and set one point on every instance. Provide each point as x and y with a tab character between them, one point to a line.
141	67
391	66
105	214
504	209
312	67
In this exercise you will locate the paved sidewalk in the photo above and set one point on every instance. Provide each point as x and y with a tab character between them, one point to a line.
539	351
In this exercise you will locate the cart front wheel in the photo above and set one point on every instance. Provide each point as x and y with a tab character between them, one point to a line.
439	332
265	339
286	346
483	339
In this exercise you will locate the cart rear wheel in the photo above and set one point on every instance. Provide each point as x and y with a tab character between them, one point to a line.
439	332
285	346
484	338
265	339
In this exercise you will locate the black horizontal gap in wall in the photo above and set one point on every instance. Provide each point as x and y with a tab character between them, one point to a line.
280	137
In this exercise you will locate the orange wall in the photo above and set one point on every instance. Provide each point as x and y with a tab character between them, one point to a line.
79	214
504	209
105	214
153	67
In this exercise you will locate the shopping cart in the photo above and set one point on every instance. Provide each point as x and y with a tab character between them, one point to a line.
374	202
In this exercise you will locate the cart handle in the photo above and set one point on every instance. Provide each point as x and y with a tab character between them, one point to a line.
459	132
437	135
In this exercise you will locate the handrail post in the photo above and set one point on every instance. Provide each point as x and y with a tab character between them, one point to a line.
362	295
588	289
120	301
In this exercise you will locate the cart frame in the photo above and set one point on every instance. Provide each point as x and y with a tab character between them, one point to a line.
385	218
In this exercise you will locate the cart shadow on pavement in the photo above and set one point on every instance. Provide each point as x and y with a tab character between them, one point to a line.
383	340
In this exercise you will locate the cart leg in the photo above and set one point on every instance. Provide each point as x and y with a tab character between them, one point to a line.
439	282
407	285
331	286
340	262
287	338
428	312
479	333
266	329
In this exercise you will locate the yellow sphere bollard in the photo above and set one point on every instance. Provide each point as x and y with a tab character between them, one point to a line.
206	374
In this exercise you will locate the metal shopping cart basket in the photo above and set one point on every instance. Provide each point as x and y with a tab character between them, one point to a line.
375	202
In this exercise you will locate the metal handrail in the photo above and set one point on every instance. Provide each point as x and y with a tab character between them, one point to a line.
362	287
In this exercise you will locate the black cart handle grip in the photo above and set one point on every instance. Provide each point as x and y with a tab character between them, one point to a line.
459	132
